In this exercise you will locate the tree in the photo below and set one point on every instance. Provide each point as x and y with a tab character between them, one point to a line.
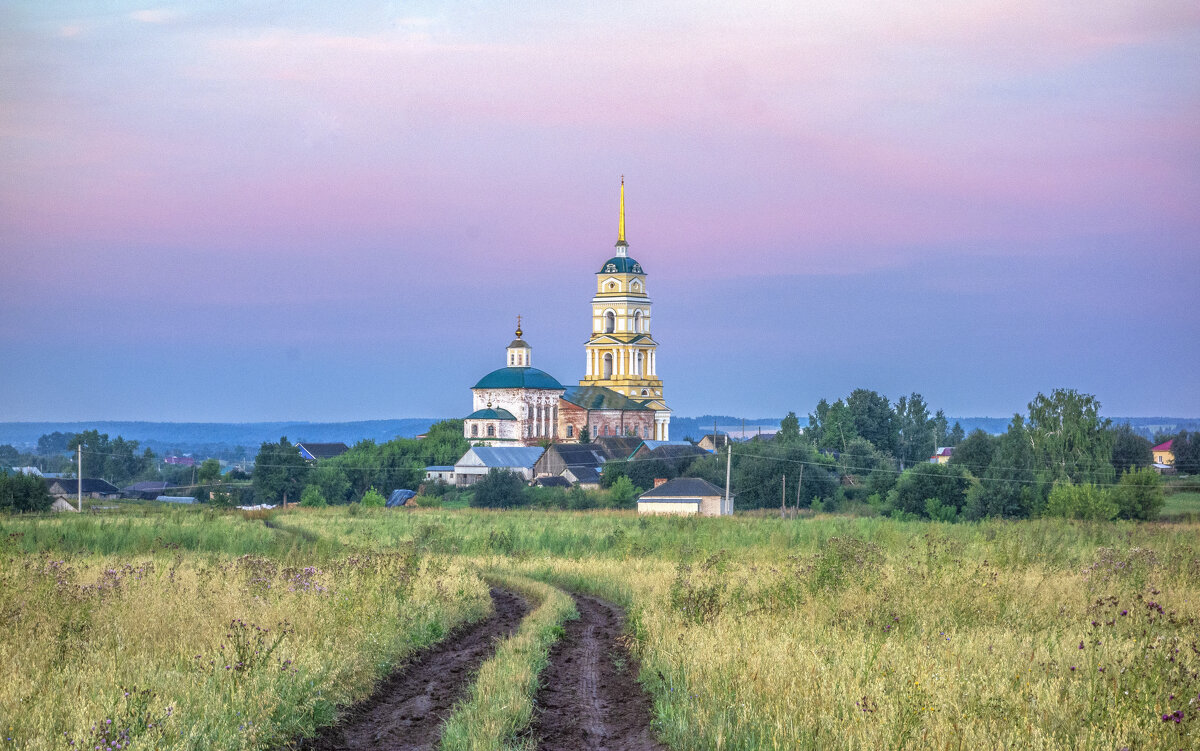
941	429
54	443
945	483
209	472
1139	494
585	435
498	489
1129	450
871	470
312	497
758	479
1186	447
956	435
975	453
873	418
789	429
22	492
280	472
916	440
114	460
623	492
837	430
1069	438
9	456
1008	487
332	481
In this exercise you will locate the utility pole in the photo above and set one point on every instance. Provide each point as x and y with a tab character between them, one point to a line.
728	465
799	484
783	497
79	477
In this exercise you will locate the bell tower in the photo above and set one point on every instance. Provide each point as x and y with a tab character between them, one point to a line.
621	354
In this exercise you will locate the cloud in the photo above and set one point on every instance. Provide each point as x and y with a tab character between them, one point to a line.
155	15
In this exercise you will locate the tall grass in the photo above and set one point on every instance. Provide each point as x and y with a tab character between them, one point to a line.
195	647
872	633
752	633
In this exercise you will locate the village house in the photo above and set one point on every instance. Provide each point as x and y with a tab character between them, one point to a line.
479	460
1164	457
685	496
942	455
93	487
436	472
714	442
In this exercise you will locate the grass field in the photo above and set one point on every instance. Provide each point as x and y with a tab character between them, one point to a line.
828	632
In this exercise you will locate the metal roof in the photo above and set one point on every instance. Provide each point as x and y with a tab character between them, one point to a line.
621	265
491	413
502	456
599	397
518	378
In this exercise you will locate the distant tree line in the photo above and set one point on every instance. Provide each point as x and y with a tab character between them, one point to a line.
281	473
864	452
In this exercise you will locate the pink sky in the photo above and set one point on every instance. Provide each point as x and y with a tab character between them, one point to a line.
322	156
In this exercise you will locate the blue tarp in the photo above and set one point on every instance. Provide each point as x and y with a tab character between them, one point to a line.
399	497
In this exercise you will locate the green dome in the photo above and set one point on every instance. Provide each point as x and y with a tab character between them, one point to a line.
518	378
491	414
621	265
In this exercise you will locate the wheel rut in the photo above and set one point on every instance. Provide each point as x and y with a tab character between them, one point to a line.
590	697
407	710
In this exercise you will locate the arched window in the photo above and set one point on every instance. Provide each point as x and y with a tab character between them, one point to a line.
645	392
570	431
637	322
491	431
608	365
610	322
474	431
638	364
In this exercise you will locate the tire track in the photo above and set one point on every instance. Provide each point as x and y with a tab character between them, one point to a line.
406	712
590	697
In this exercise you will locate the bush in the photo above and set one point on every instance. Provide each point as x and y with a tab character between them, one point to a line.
1086	502
1139	495
499	489
373	499
312	497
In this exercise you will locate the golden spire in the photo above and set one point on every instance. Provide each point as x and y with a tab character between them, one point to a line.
621	221
518	325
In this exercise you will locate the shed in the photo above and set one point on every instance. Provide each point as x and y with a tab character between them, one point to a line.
552	482
685	496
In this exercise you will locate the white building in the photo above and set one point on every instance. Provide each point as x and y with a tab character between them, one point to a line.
479	460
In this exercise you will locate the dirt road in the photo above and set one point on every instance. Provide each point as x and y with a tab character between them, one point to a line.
590	698
407	711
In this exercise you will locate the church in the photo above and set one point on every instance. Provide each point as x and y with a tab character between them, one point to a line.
620	393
